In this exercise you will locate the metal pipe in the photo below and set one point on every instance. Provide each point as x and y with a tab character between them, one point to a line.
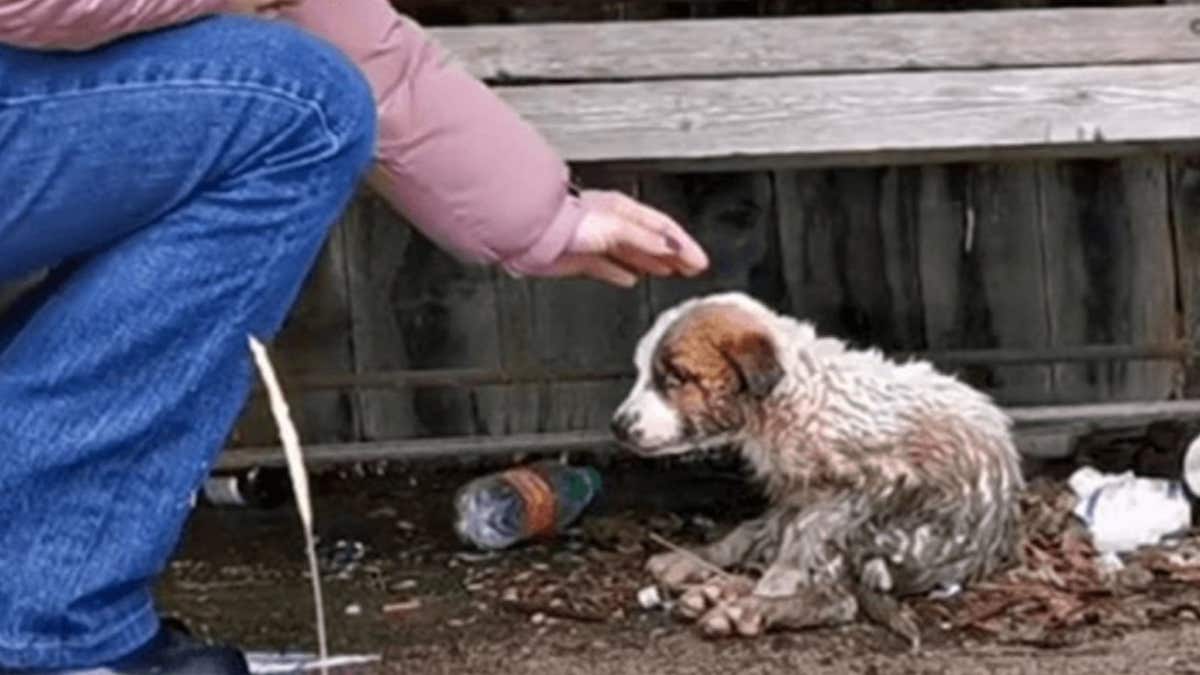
474	377
1105	414
448	377
423	449
1082	354
1082	417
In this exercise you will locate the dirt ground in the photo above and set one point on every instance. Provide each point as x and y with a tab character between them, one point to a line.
429	604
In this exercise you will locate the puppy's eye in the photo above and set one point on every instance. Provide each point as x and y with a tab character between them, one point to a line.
670	380
668	377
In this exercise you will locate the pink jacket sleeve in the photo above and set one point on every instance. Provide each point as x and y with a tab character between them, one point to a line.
460	164
83	24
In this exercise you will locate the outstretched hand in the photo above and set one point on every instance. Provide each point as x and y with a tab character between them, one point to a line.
621	239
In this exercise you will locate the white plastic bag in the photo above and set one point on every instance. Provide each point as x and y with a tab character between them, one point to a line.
1124	511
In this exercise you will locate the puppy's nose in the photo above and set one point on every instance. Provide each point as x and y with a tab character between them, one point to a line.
623	427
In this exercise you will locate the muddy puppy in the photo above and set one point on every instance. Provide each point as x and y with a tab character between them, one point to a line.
884	479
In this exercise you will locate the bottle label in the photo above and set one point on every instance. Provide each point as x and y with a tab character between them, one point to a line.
538	497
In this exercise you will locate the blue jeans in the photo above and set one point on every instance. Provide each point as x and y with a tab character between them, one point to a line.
180	184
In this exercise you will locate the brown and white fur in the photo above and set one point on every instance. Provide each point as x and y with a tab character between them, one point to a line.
884	479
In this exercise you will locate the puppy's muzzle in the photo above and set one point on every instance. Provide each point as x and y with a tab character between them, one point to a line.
624	427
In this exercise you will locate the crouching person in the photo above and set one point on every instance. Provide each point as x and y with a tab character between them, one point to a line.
178	164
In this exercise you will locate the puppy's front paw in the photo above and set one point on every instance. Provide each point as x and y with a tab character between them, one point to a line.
754	614
677	571
698	599
745	616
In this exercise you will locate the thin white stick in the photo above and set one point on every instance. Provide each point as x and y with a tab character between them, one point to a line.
662	541
295	461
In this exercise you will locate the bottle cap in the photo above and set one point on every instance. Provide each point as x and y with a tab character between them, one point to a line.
224	491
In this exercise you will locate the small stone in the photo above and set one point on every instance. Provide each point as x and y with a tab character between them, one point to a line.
383	512
668	523
944	592
353	610
538	619
406	606
650	597
473	558
404	585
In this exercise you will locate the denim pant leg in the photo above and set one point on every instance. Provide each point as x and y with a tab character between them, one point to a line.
181	183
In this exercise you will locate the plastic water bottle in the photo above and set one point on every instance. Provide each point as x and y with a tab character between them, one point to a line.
528	502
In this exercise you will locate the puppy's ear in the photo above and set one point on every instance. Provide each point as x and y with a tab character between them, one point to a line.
753	357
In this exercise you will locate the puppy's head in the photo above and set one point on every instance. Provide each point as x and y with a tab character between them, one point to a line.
702	371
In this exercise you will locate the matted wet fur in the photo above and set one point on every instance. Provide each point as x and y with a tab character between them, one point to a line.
884	479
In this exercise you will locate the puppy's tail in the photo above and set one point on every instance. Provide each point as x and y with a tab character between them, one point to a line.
887	611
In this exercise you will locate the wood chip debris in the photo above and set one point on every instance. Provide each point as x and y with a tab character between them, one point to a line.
1061	589
1059	594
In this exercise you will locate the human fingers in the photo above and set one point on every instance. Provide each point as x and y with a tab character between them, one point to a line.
646	264
598	267
690	255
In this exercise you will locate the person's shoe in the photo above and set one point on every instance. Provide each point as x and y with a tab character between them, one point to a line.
173	652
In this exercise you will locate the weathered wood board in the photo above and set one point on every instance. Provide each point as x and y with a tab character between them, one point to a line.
833	120
733	216
477	12
1185	221
376	240
849	258
1110	272
574	51
558	324
982	256
415	306
982	273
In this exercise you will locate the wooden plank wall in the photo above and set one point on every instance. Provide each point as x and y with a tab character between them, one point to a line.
1020	254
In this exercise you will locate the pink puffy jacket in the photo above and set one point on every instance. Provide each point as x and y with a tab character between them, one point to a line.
447	146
